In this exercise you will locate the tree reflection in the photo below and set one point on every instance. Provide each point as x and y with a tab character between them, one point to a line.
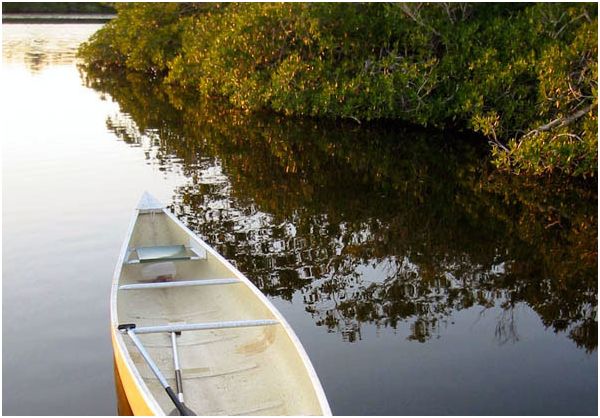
39	46
390	225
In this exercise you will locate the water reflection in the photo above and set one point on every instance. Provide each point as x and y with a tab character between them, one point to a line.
391	226
31	45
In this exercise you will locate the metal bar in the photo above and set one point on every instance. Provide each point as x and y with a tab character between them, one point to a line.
150	211
178	381
144	353
175	356
130	329
206	326
181	283
157	260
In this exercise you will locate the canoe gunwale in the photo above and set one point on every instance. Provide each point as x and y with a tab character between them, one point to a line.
119	343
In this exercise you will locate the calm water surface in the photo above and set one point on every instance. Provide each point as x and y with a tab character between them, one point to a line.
419	281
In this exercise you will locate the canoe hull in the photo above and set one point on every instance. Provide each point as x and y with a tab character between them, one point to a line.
261	370
133	392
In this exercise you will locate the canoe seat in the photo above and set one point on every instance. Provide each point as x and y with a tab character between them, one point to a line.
178	283
161	253
201	326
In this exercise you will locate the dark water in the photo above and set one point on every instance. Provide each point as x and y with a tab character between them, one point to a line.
418	279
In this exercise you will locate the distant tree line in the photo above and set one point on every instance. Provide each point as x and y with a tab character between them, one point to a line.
42	7
523	75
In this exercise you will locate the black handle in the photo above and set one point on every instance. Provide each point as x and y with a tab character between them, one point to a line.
180	407
125	327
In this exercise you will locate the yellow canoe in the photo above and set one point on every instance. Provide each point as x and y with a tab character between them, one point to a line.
179	309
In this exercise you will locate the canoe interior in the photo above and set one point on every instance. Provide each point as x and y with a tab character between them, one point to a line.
242	371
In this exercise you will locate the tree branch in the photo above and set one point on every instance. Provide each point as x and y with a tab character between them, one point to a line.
560	122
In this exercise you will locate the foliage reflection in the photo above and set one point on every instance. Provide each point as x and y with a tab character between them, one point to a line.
385	225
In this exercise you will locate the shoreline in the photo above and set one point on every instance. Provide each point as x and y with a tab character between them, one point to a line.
56	18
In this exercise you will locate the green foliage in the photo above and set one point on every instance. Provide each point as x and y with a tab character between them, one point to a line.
566	123
503	70
144	38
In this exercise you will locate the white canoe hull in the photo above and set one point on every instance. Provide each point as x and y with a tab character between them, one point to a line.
246	370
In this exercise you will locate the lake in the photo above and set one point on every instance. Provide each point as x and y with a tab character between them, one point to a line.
419	280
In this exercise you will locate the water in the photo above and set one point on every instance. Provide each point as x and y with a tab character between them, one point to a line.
68	187
418	280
